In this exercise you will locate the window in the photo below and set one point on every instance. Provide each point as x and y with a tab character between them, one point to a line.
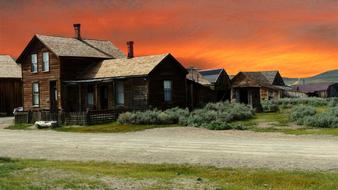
167	84
45	58
90	96
34	58
36	94
119	93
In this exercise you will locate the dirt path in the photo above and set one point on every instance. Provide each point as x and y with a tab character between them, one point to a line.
178	145
5	121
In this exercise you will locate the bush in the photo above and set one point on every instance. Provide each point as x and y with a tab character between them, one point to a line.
333	102
215	116
270	106
170	116
301	113
216	125
306	115
327	119
221	113
311	101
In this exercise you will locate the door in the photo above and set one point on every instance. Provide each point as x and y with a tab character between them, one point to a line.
104	97
53	96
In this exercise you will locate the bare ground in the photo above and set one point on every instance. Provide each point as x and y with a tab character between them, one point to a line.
179	146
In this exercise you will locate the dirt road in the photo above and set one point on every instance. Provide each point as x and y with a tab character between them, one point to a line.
5	121
178	145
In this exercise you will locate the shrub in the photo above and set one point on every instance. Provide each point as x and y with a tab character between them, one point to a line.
301	113
305	115
333	102
311	101
221	113
216	125
170	116
270	106
216	116
328	119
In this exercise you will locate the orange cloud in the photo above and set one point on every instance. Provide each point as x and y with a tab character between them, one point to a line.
299	38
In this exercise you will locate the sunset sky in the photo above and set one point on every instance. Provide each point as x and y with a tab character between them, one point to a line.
297	37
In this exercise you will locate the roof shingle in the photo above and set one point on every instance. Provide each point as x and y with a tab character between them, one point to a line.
63	46
137	66
9	68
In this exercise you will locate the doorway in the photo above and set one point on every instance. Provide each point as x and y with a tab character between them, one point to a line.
104	97
243	95
53	96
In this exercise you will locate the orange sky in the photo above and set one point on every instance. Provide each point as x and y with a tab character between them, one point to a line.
299	38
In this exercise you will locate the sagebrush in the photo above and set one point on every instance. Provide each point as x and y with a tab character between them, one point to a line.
213	116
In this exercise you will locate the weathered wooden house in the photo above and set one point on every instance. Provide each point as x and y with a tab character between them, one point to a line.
127	84
220	82
199	91
10	85
323	90
67	75
252	87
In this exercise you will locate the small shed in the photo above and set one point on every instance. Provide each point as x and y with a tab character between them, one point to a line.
199	91
220	82
10	85
252	87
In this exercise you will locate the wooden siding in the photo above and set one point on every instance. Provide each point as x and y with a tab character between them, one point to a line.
168	69
199	95
10	95
43	78
223	87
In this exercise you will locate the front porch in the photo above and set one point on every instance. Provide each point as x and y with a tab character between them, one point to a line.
104	95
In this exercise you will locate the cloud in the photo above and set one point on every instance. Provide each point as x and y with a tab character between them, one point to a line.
259	34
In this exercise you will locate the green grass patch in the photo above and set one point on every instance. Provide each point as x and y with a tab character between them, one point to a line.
42	174
19	126
109	128
280	118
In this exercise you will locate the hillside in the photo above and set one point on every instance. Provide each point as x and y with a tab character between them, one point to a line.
329	76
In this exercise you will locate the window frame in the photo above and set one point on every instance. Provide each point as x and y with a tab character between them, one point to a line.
165	98
43	62
36	63
117	93
36	94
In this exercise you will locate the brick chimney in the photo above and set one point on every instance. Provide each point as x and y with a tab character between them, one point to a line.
77	31
130	45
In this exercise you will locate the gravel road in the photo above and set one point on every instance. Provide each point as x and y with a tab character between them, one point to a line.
178	145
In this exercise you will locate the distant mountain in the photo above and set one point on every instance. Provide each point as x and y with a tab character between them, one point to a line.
328	76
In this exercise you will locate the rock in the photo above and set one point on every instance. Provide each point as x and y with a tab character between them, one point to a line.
46	124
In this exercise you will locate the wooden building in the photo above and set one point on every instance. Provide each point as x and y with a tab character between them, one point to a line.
128	84
220	82
323	90
10	85
252	87
199	90
62	74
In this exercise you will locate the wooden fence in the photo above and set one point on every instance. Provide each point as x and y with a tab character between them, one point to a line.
68	118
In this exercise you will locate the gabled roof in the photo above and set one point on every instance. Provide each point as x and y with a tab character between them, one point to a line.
211	75
9	68
126	67
195	75
310	88
72	47
260	78
270	75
